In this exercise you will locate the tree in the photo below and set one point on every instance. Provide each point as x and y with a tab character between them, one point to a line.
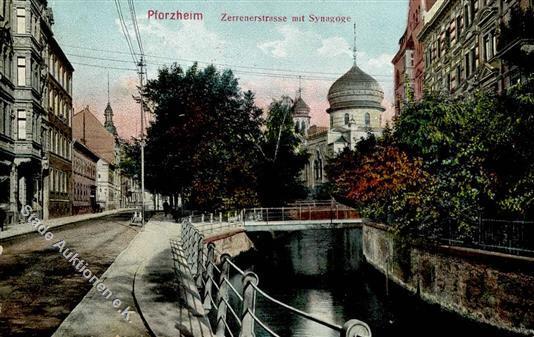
204	139
130	162
446	163
282	157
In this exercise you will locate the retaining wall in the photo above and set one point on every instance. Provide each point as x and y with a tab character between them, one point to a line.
493	288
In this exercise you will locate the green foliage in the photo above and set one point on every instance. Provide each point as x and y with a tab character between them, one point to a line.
283	159
446	163
130	163
210	142
203	141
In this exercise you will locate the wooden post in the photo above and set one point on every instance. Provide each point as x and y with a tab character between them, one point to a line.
222	296
208	277
249	304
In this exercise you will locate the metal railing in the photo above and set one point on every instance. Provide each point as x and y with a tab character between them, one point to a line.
301	213
212	271
210	223
508	236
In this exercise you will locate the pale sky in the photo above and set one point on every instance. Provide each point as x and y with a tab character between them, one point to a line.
258	52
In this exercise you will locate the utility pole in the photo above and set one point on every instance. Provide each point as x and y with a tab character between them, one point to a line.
141	77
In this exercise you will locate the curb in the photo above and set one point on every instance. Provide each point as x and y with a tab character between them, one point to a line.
31	232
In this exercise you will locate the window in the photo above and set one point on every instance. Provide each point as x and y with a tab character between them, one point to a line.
21	123
466	16
347	119
467	66
473	60
52	180
367	118
458	75
489	46
472	11
21	20
458	27
21	71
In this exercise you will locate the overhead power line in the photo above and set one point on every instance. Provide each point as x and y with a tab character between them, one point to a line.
125	31
136	26
238	71
231	66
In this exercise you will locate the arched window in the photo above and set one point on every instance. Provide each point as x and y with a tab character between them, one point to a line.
347	119
367	118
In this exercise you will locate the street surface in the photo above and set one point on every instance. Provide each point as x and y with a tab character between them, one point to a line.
39	288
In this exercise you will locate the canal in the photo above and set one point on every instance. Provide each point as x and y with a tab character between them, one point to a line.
323	272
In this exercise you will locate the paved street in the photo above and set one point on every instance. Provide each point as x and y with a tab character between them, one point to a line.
39	288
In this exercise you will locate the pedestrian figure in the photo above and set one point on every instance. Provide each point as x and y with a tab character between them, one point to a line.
2	219
166	208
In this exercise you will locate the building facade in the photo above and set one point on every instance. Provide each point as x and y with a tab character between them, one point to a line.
26	121
355	111
31	31
58	176
84	169
460	39
408	62
8	170
93	134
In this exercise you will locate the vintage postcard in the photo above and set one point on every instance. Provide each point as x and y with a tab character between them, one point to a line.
296	168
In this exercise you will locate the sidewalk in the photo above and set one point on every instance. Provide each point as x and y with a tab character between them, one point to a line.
18	229
144	277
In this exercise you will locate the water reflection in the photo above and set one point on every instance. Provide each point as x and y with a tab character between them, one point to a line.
324	273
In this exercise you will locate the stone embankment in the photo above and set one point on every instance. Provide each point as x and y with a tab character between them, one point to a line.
492	288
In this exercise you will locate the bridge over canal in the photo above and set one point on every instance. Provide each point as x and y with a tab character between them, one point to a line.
300	216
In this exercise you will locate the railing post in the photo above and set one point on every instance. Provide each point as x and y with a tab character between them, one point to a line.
202	218
283	217
220	217
200	260
355	328
208	277
211	217
249	304
222	296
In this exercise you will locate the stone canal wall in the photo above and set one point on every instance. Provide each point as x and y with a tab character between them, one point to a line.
493	288
233	242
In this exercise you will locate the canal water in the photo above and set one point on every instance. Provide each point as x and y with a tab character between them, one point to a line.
323	272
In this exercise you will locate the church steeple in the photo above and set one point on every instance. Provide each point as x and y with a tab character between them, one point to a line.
301	112
108	114
354	50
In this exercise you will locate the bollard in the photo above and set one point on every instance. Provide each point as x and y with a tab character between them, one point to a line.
222	296
220	217
249	304
202	218
208	276
200	261
211	217
356	328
